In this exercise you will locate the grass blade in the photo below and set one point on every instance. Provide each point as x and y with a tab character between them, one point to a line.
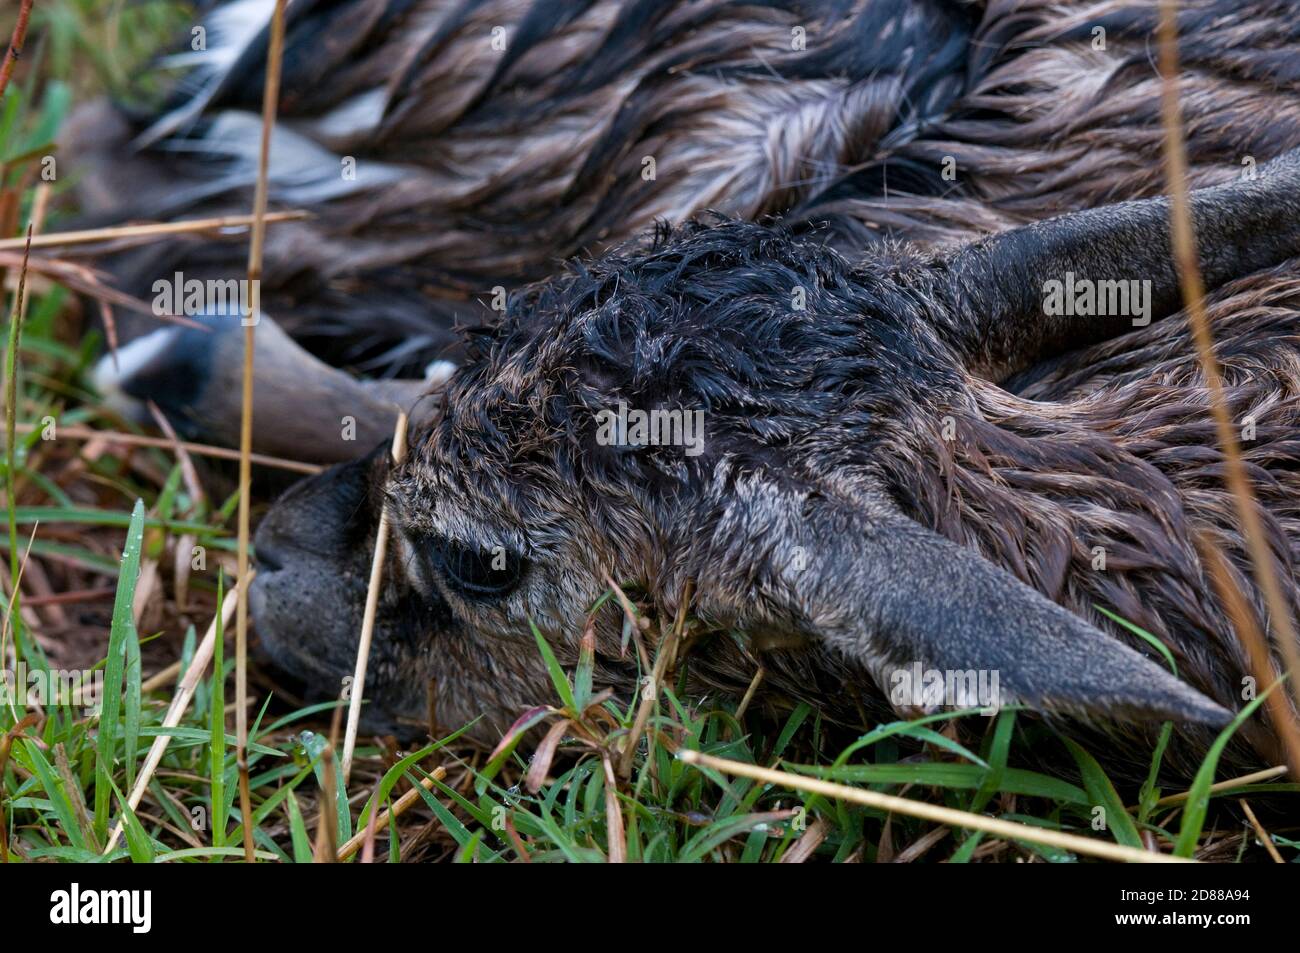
999	751
60	800
131	700
1198	795
1103	794
217	728
121	630
298	830
558	678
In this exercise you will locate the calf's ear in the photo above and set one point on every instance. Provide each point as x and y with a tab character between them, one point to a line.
890	593
939	603
1000	283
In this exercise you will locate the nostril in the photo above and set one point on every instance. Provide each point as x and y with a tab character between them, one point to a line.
268	558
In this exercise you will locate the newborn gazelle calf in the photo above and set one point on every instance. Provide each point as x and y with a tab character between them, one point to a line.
862	496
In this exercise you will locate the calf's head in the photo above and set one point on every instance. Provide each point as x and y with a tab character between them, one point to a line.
722	414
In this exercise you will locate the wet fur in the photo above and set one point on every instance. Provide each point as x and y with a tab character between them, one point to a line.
1108	447
521	160
1117	452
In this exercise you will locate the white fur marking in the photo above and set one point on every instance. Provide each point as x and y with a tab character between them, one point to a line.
360	114
301	171
439	372
231	28
108	378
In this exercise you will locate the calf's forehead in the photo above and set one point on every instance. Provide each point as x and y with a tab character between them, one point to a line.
483	500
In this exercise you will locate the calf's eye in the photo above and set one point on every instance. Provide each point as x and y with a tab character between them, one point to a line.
478	573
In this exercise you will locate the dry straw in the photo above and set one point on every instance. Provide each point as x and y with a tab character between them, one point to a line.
372	606
1193	289
147	231
379	821
75	432
270	97
932	812
15	48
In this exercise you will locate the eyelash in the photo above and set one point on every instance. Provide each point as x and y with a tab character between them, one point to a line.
471	571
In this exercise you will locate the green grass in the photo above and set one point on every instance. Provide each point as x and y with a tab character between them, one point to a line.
102	45
65	772
64	780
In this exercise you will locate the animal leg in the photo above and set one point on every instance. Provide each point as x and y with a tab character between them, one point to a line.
303	409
